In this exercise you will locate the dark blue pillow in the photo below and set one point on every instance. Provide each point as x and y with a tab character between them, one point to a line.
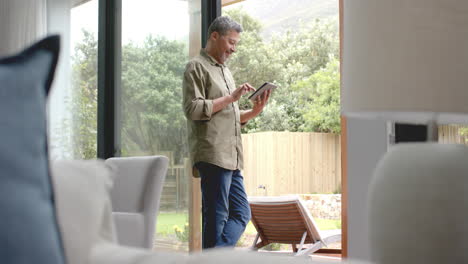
28	226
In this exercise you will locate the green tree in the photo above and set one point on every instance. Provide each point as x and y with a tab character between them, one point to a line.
249	24
306	49
321	97
152	118
285	60
83	100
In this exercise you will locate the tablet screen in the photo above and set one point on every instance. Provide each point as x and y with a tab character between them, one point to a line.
265	87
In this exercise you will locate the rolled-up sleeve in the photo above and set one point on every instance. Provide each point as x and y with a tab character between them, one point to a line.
196	105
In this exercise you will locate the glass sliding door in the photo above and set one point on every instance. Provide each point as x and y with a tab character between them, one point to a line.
294	146
158	37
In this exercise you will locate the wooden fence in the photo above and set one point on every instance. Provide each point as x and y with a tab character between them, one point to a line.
450	134
175	190
279	163
284	163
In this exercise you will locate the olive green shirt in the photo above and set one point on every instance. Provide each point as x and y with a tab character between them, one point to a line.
213	137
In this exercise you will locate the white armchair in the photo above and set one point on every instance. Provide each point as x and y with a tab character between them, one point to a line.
135	196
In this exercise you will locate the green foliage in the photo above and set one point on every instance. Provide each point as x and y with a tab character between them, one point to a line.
249	24
272	247
322	99
464	132
152	116
285	60
307	49
83	101
182	234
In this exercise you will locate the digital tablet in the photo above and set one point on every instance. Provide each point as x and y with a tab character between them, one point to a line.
265	87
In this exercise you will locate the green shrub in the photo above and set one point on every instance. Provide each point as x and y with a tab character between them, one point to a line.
182	234
272	247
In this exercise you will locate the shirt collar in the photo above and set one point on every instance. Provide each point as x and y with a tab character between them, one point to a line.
210	58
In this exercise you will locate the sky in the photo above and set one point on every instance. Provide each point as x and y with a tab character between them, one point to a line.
140	18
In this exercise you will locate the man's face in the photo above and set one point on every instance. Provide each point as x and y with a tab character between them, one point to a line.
225	45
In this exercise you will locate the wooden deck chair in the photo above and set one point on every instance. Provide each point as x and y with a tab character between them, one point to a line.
286	220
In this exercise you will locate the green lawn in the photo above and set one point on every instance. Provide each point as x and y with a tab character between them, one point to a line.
167	221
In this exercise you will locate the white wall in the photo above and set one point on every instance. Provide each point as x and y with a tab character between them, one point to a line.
367	142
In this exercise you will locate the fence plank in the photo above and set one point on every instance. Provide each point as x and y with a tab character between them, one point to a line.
287	163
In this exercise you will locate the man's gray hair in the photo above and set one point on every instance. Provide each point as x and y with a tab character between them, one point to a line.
223	25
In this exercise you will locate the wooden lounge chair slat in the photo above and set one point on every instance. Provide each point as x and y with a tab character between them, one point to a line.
286	220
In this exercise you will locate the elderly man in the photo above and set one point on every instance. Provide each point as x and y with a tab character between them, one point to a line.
214	122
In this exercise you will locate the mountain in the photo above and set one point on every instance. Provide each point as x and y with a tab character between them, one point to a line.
279	16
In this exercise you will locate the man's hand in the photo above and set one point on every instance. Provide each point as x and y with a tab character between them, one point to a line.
257	108
241	90
260	102
220	103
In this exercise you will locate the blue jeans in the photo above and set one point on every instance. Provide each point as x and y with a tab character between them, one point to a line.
225	209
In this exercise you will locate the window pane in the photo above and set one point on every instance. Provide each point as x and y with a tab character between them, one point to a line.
74	109
156	37
453	134
294	146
